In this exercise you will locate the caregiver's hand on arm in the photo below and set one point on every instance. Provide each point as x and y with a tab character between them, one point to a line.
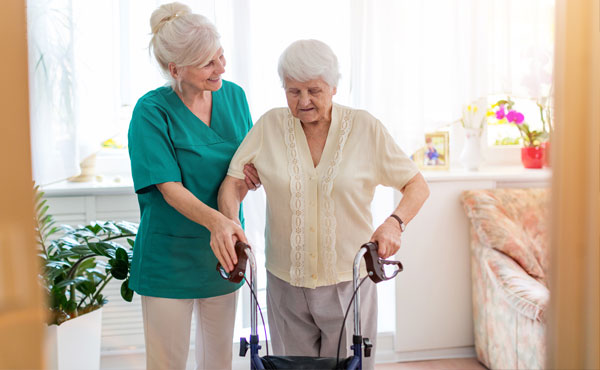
388	234
223	230
252	179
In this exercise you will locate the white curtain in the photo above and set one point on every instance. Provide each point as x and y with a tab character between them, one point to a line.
74	82
413	64
416	63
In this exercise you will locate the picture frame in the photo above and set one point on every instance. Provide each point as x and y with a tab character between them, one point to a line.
435	153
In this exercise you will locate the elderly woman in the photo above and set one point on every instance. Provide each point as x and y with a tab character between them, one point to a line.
181	139
319	163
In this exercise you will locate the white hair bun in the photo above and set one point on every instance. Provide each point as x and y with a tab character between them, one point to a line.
166	13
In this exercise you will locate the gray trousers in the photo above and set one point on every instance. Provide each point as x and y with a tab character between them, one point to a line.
307	322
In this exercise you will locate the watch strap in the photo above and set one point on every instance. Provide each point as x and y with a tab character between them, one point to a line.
402	225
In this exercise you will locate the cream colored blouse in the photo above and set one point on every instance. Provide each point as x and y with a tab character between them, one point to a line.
318	217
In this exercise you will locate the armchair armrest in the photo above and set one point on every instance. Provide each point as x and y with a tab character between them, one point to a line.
525	294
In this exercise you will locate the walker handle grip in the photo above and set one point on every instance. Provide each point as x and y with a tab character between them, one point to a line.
237	274
375	264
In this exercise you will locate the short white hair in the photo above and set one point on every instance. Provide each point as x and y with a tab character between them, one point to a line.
181	37
306	60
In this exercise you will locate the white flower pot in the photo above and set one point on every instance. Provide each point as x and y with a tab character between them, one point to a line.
75	344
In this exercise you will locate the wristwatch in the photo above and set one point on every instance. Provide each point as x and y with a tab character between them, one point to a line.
402	224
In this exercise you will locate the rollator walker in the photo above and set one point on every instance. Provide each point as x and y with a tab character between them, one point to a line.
376	272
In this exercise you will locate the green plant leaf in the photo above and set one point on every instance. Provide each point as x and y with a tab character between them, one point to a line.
95	228
87	287
57	264
69	240
126	293
66	253
121	254
89	263
82	250
39	206
102	248
82	233
69	282
52	231
111	227
67	229
119	268
128	227
131	242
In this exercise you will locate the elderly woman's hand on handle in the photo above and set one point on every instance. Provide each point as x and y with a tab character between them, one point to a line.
387	237
388	234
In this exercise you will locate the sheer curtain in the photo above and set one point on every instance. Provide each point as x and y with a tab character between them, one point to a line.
73	80
416	63
413	64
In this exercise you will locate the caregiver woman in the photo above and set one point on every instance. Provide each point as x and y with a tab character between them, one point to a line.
181	139
319	163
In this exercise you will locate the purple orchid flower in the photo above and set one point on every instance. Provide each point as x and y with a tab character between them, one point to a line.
500	112
515	117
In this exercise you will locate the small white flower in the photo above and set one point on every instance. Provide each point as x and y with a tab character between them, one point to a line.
473	115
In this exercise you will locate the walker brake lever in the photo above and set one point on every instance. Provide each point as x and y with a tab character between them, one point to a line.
237	274
375	264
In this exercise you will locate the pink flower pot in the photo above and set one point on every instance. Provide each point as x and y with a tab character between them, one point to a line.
532	157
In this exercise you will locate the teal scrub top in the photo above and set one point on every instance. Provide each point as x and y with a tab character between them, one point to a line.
172	257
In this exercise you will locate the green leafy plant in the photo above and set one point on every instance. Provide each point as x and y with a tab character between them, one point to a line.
78	263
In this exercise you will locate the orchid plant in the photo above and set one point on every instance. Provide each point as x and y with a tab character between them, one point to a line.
504	112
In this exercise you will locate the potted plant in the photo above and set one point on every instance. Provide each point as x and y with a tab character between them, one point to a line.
77	264
532	154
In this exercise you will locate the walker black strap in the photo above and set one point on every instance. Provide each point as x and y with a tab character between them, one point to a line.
303	363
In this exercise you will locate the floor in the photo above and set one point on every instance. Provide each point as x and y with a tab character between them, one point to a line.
447	364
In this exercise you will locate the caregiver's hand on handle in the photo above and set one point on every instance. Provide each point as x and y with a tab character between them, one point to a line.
224	233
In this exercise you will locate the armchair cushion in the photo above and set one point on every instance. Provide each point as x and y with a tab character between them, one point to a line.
513	221
522	292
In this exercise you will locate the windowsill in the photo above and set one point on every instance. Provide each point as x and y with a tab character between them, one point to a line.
123	185
110	185
504	173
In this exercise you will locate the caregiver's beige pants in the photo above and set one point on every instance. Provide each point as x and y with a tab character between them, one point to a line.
307	322
167	325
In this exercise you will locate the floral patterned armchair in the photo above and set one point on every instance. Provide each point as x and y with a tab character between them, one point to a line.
509	265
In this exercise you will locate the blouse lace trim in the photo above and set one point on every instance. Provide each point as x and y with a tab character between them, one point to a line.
297	205
327	220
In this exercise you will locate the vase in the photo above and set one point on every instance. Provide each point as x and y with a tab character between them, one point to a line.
532	156
88	170
471	153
